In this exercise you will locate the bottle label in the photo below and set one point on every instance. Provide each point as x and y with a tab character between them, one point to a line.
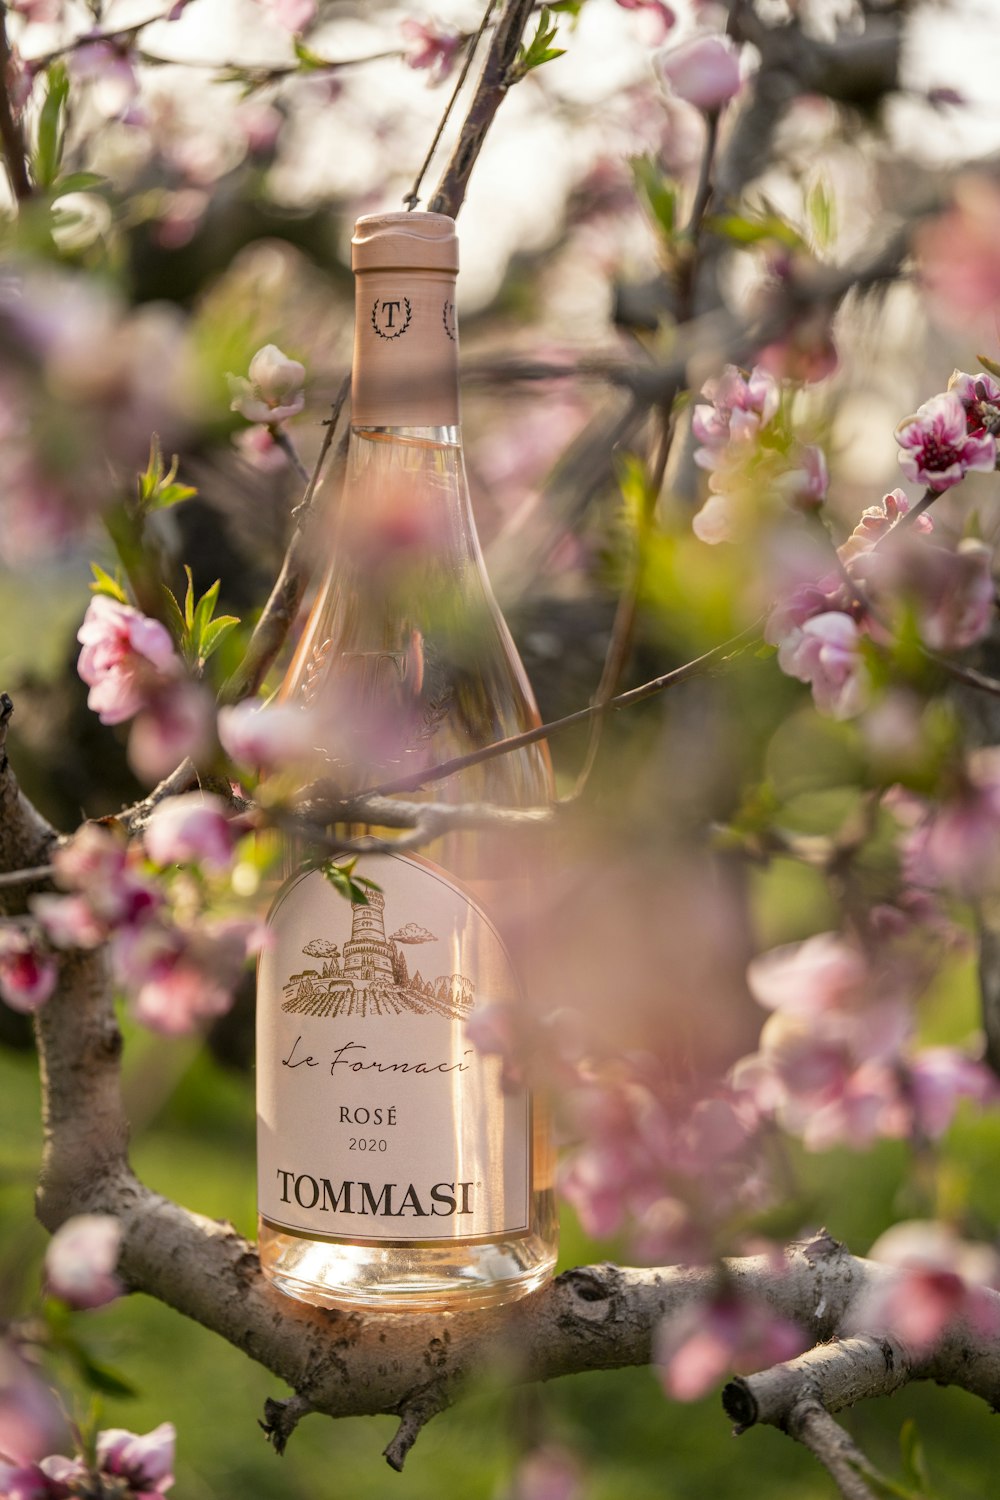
378	1119
405	371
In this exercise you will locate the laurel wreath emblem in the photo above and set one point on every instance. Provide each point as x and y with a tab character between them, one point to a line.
399	331
444	318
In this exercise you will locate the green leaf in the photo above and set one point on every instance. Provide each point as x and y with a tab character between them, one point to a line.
821	208
914	1461
746	230
567	7
80	182
156	486
350	886
104	584
175	617
51	126
990	365
101	1377
189	602
657	191
539	49
307	59
215	633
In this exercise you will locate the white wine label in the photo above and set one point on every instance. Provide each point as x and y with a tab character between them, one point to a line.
377	1117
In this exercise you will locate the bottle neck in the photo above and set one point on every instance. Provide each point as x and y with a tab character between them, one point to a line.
405	371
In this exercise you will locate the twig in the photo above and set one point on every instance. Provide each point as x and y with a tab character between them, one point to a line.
296	569
138	815
542	731
412	198
826	1440
288	448
15	150
909	517
14	878
490	93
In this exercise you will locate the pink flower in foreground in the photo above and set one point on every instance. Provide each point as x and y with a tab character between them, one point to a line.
950	593
108	67
27	974
938	1079
80	1261
178	977
661	16
126	656
43	11
192	829
293	15
826	653
145	1463
269	739
957	843
939	1281
959	255
740	406
938	449
177	721
431	46
30	1420
547	1473
980	398
875	521
274	390
824	973
95	863
696	1347
704	71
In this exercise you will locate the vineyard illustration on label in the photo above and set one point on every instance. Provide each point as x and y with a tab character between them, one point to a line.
371	976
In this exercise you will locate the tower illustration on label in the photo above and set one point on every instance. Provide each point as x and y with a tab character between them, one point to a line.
371	977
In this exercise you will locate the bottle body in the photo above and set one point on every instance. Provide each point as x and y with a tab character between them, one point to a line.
394	1168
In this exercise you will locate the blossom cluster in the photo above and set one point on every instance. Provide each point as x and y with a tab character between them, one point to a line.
178	965
125	1465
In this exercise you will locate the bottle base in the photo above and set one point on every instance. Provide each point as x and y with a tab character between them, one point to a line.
445	1278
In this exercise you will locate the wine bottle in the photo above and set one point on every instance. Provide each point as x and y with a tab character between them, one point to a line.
394	1169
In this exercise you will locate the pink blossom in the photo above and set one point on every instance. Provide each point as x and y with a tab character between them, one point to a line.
257	446
274	392
192	829
980	398
96	863
715	522
431	46
180	977
950	593
269	739
145	1462
68	921
740	406
826	653
938	449
261	125
661	17
875	521
957	842
939	1078
27	974
704	71
46	12
959	255
293	16
697	1346
109	69
126	656
806	485
30	1420
939	1281
177	722
81	1259
824	973
547	1473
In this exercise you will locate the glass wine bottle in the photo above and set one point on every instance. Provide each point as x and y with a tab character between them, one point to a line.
394	1169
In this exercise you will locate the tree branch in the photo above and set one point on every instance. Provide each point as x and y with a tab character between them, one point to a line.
297	567
15	149
491	90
